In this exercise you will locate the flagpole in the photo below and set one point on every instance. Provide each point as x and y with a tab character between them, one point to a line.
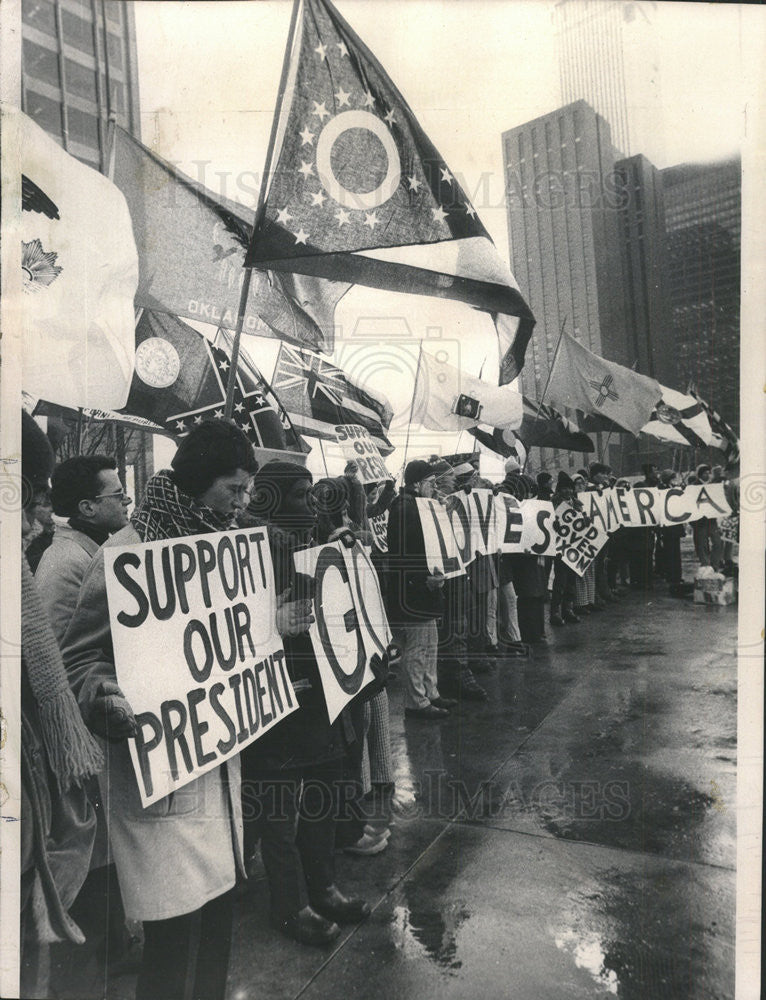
109	151
324	459
259	376
539	402
550	370
245	293
412	405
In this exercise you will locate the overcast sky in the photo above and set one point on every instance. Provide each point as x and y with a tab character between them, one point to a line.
470	69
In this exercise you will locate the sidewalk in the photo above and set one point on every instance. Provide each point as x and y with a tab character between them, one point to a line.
597	859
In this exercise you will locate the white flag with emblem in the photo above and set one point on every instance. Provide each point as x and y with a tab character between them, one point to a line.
79	275
581	380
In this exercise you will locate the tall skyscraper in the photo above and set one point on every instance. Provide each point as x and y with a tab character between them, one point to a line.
562	200
608	57
641	214
703	222
79	65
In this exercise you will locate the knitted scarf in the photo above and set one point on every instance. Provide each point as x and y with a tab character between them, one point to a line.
166	512
73	753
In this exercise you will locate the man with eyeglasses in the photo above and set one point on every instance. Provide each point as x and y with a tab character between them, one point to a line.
87	490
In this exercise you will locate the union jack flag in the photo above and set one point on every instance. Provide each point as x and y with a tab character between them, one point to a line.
318	396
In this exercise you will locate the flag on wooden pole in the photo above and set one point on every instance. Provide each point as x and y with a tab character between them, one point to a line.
192	245
359	193
581	380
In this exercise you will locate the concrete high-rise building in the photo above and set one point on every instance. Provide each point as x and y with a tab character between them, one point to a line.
79	65
703	222
648	344
563	198
608	57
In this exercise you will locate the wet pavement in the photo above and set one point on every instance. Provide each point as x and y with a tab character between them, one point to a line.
574	837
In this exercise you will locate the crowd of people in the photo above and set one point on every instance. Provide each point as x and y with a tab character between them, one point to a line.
300	793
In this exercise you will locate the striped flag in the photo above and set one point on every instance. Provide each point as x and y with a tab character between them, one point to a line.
359	192
180	380
318	396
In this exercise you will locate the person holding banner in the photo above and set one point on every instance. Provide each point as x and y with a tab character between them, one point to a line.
294	773
671	536
530	580
564	579
415	601
178	859
509	635
455	676
707	538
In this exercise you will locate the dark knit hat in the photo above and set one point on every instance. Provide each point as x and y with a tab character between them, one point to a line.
215	448
564	482
599	469
666	476
544	479
36	458
271	483
439	466
417	471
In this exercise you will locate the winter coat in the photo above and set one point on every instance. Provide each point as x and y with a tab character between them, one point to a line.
184	850
60	574
306	736
409	598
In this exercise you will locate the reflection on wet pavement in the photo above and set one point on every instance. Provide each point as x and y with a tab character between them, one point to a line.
572	838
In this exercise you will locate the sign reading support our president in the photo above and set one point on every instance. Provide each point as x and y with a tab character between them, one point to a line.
357	445
578	539
350	624
196	650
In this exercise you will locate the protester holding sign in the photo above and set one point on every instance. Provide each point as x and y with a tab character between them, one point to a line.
509	635
707	537
564	591
530	580
456	679
293	774
415	601
671	536
177	860
331	500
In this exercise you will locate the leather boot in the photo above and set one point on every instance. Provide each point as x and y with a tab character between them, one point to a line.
307	927
333	905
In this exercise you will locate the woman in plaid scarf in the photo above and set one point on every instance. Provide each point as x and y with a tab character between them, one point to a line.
178	859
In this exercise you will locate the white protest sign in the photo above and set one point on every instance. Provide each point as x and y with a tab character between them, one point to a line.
578	539
603	508
442	551
378	526
350	624
648	507
538	536
197	654
729	529
481	508
510	523
357	445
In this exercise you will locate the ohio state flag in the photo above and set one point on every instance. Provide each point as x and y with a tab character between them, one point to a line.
359	192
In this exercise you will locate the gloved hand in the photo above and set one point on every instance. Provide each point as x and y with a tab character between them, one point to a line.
345	535
111	715
435	581
293	617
